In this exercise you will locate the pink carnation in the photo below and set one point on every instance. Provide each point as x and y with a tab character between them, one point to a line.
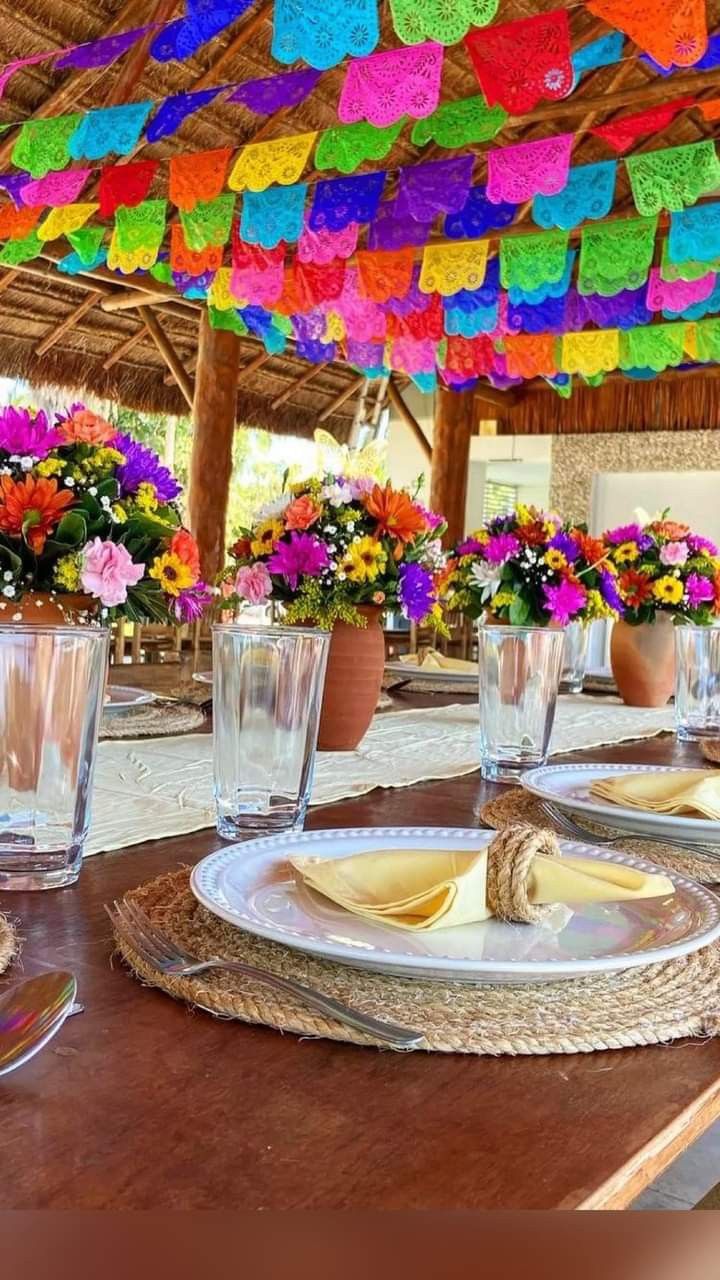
253	583
674	553
108	570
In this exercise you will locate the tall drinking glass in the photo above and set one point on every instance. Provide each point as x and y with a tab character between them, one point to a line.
697	682
52	681
519	671
574	658
267	693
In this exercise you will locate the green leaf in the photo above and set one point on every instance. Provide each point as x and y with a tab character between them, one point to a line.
72	530
519	612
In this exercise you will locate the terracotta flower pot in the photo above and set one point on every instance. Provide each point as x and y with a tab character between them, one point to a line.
50	609
643	661
356	661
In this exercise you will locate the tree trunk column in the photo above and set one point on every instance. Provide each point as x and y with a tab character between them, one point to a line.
214	409
454	417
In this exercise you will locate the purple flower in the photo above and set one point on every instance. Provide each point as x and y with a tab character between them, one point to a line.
609	591
434	520
304	555
699	590
569	547
698	544
501	547
26	436
142	466
624	533
416	592
191	604
565	601
470	547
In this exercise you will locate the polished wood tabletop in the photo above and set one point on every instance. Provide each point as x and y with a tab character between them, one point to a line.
141	1103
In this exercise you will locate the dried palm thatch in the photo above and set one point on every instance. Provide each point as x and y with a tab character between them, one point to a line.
113	354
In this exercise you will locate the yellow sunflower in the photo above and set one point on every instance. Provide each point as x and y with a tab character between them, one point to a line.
626	552
364	560
172	573
554	558
266	535
668	590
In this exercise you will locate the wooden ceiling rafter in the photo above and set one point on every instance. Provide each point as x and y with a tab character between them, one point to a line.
56	332
297	384
169	354
125	347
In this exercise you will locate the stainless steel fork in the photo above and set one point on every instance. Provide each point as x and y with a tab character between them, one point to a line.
570	827
159	951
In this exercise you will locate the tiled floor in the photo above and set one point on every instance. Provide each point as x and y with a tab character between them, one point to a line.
689	1178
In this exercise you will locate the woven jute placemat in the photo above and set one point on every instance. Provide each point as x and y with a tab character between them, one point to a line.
652	1005
9	944
711	750
516	805
154	720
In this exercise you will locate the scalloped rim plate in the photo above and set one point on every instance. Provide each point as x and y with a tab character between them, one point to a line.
568	787
251	885
124	698
427	675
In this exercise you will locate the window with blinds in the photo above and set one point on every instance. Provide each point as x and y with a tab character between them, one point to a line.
498	499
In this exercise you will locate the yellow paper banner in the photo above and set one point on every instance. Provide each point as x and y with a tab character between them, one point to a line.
446	268
592	352
280	160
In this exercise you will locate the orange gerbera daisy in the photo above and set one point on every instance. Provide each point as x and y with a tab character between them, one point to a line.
592	549
670	529
395	513
32	506
85	427
635	588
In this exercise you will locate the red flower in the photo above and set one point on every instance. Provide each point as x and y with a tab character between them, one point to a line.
591	549
635	588
184	546
241	549
533	535
32	507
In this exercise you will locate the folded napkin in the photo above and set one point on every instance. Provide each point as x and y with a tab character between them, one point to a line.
436	661
436	889
693	791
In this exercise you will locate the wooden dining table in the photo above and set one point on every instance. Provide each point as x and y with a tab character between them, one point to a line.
143	1103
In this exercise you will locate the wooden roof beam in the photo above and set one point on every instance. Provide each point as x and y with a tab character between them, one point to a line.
253	365
397	400
122	349
294	386
57	331
169	354
136	60
339	401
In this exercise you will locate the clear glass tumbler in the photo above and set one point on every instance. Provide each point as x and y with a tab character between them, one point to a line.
574	658
520	671
697	682
52	681
267	694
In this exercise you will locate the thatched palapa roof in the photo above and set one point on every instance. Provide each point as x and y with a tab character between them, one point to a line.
53	328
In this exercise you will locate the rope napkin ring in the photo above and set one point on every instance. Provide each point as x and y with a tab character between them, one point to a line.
509	859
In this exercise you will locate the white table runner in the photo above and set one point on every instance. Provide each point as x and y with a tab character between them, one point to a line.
163	787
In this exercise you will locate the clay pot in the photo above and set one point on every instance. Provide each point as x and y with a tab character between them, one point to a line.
643	661
356	661
50	609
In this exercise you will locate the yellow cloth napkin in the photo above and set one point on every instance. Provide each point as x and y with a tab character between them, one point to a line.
436	661
428	889
693	791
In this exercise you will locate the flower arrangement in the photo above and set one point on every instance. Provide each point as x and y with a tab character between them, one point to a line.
85	509
529	568
663	567
331	544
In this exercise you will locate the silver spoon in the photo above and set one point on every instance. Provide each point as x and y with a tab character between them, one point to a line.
30	1015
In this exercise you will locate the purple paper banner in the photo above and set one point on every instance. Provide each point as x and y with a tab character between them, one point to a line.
275	93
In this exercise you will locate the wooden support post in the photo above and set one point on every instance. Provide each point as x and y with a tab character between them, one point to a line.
168	353
454	418
214	413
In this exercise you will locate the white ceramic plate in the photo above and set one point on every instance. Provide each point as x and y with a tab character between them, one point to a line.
203	677
251	885
425	675
568	787
123	698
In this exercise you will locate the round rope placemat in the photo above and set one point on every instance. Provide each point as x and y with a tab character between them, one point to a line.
154	720
651	1005
711	750
9	944
516	805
